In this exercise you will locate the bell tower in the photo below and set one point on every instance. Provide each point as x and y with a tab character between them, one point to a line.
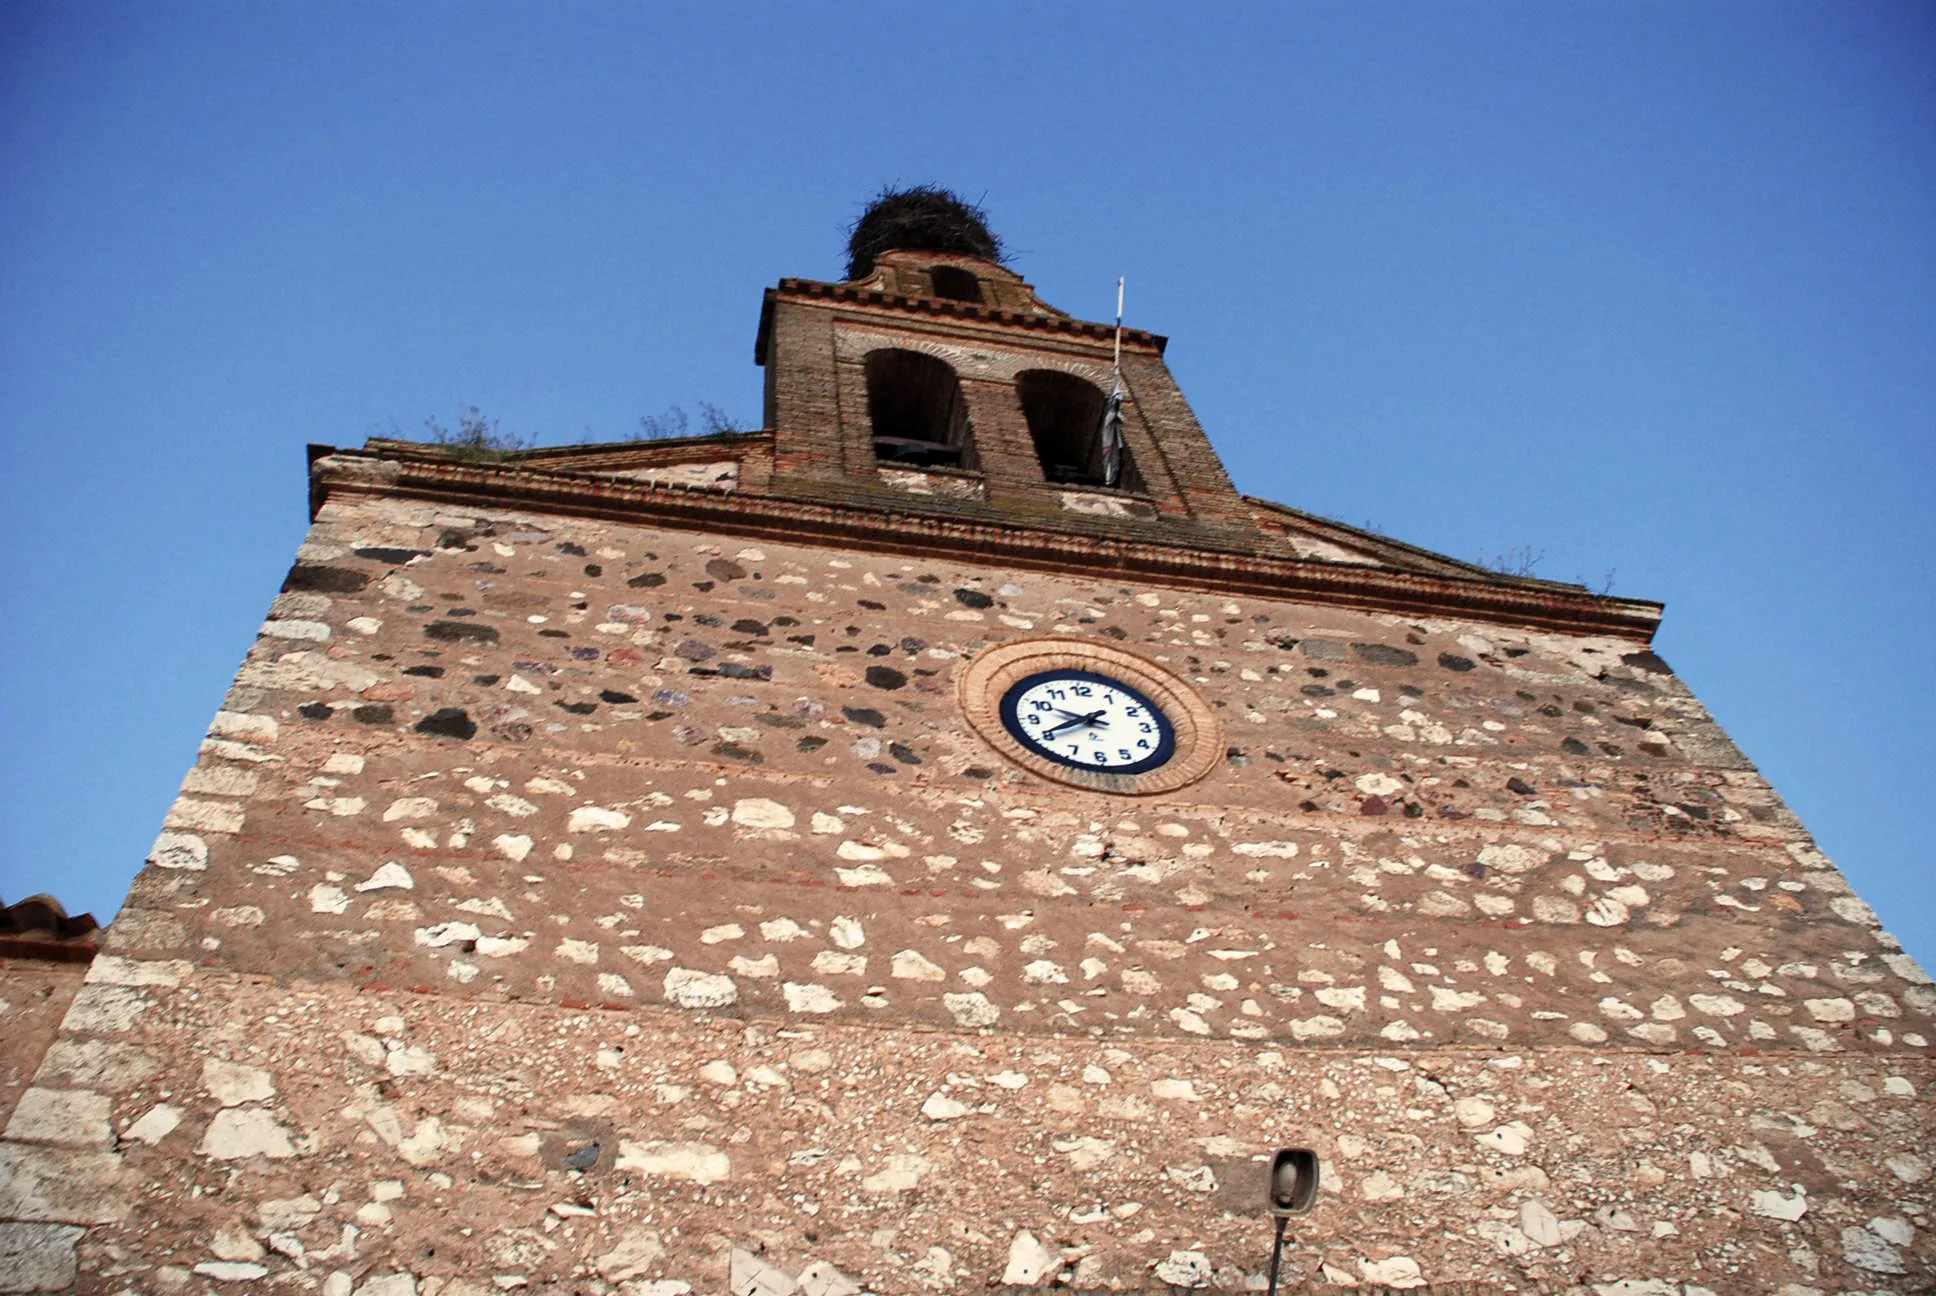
935	379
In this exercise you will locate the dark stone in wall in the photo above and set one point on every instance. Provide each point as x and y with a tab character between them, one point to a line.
1384	655
460	632
1648	661
325	580
450	722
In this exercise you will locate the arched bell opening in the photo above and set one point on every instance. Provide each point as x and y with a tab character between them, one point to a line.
1065	419
915	405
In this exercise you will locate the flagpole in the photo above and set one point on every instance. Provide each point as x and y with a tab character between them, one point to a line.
1111	431
1119	325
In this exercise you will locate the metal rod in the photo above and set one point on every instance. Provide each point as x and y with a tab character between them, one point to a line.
1277	1249
1119	323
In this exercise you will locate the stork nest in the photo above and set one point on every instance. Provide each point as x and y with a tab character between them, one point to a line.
922	218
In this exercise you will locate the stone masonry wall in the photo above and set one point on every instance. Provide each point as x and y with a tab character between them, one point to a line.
34	994
565	905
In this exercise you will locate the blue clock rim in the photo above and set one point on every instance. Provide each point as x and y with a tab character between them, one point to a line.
1166	731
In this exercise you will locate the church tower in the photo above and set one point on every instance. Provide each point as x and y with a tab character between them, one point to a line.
951	837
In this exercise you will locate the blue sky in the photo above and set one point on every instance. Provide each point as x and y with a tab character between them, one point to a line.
1648	289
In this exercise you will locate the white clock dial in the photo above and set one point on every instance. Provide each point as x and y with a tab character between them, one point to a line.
1088	721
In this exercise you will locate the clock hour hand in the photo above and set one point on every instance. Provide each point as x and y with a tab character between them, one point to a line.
1073	721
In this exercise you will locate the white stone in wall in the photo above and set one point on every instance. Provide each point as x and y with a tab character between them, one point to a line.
972	1009
232	1084
760	812
1512	1138
37	1257
205	816
1775	1205
700	1162
110	969
634	1255
501	946
1030	1263
327	899
245	728
940	1107
74	1117
238	1133
1866	1250
1394	1271
154	1125
902	1171
690	988
220	780
836	963
448	933
1552	909
911	965
809	997
1512	858
104	1010
389	876
1908	1167
173	850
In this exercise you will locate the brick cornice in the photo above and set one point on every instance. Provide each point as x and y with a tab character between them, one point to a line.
1498	599
815	290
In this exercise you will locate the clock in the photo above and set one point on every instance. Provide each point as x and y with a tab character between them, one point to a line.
1090	714
1089	721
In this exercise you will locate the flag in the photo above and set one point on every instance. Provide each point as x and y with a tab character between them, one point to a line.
1110	434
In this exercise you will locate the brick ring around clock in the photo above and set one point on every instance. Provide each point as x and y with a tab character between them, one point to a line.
1090	715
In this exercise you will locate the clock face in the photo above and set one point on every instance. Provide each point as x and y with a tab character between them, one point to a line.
1087	721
